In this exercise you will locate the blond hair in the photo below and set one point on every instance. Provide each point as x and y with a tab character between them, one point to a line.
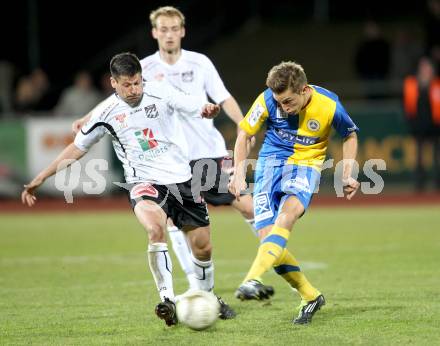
168	11
286	75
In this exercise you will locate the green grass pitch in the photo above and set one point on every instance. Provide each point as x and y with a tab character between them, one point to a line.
82	279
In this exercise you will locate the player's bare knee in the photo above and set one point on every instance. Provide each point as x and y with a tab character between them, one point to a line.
203	253
156	232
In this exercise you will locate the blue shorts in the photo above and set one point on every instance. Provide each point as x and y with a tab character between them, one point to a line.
275	183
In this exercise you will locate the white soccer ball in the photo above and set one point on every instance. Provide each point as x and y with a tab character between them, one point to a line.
197	309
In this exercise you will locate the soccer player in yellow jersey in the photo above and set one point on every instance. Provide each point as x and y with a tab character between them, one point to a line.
299	117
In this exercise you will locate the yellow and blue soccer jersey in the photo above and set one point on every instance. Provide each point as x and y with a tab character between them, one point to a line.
291	157
302	138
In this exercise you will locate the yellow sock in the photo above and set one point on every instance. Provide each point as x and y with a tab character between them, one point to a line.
288	267
269	252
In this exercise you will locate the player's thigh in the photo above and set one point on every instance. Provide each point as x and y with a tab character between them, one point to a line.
290	211
301	182
152	218
267	194
244	206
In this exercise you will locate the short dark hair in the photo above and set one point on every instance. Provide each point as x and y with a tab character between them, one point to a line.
286	75
125	64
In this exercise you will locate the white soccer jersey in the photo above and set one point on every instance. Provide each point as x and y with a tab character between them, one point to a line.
148	139
193	74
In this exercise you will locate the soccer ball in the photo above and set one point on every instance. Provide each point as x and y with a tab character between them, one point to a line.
197	309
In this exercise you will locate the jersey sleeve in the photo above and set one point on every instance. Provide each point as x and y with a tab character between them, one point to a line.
255	117
342	122
94	129
214	85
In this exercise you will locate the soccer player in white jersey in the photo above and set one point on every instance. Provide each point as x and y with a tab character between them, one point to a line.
144	121
194	74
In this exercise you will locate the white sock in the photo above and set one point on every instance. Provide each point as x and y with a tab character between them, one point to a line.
183	254
161	268
204	273
251	223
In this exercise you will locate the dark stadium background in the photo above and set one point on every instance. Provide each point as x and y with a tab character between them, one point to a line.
63	37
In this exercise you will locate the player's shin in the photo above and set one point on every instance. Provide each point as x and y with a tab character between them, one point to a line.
204	273
288	267
183	254
161	268
269	252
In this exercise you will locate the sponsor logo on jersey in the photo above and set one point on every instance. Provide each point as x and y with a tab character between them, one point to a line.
146	139
121	119
151	111
262	207
135	111
143	189
187	76
153	153
297	184
294	138
313	125
256	114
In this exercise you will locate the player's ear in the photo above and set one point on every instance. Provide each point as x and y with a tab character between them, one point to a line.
182	35
113	82
154	33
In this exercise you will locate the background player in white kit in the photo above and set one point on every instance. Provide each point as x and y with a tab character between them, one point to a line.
194	74
148	139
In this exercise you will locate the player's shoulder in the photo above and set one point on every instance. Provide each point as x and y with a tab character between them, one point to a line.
325	93
263	104
103	109
267	97
195	58
149	60
157	89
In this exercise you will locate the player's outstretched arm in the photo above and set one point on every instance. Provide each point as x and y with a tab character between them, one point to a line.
238	180
349	151
232	110
69	155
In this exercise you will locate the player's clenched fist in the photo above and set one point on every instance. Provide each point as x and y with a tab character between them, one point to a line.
210	111
236	185
350	186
